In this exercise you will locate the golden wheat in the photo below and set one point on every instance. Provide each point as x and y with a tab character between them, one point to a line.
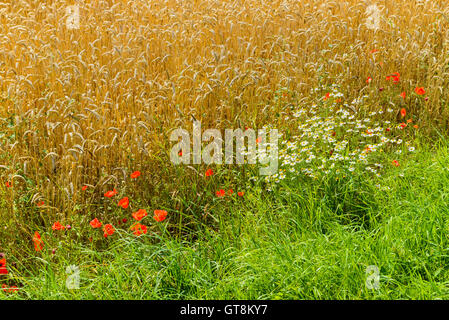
82	105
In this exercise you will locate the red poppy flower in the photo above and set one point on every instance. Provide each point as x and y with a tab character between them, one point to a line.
395	163
38	243
230	191
84	188
403	112
108	230
415	126
403	95
124	203
135	174
374	51
220	193
327	96
209	172
139	229
40	203
180	153
369	79
139	214
57	226
4	287
420	91
395	77
3	269
160	215
241	193
8	184
403	125
110	194
388	129
95	223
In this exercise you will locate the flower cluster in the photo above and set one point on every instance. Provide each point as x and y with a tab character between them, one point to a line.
108	229
137	228
332	137
222	193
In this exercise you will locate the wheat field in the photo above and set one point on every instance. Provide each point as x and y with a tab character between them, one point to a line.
81	102
87	104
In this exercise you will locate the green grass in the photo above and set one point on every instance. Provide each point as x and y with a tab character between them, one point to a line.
304	240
